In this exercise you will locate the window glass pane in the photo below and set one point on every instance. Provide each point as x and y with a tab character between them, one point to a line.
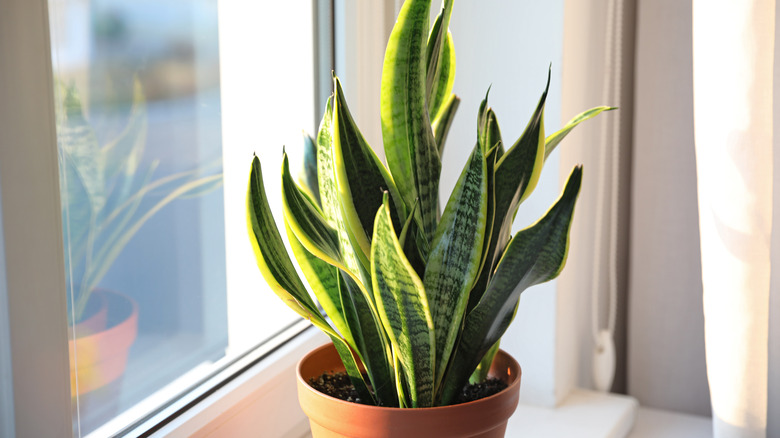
160	105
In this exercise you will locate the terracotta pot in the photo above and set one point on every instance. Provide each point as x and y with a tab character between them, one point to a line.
330	417
99	352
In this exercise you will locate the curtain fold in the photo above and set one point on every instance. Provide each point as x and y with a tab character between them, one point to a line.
733	51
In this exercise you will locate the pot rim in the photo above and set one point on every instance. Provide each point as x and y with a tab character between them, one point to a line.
513	364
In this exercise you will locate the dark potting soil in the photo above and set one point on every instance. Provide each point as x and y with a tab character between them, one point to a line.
336	385
480	390
339	386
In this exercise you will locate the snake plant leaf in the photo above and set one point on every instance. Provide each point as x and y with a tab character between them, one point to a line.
454	261
481	372
403	309
407	226
326	175
307	177
280	274
410	148
443	121
440	52
329	197
552	141
412	250
493	134
482	118
524	160
516	174
306	221
488	244
371	344
535	255
323	281
361	177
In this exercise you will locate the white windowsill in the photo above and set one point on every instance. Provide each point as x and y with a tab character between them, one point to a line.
655	423
583	414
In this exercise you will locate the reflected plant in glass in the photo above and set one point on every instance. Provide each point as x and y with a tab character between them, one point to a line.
105	186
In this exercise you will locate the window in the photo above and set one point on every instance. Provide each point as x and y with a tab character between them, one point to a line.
158	107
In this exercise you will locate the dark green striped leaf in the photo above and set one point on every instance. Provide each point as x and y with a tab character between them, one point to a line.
552	141
481	372
326	176
488	244
410	147
440	71
361	178
493	134
324	283
482	119
454	261
370	341
516	175
535	255
331	203
279	272
403	309
443	121
306	220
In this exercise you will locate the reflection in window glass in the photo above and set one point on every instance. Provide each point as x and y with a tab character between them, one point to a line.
148	185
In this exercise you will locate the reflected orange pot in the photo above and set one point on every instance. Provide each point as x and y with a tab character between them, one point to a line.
330	417
98	356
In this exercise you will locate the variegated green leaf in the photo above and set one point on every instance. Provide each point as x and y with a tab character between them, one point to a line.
535	255
323	280
371	343
523	162
443	121
481	373
280	274
312	230
410	147
403	309
361	178
552	141
482	119
331	203
306	221
493	134
488	244
326	175
440	71
454	261
516	175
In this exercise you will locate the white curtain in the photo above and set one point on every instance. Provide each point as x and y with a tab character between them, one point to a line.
733	51
687	273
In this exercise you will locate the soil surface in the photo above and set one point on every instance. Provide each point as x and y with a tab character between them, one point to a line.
336	385
339	386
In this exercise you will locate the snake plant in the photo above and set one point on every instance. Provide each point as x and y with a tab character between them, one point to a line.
417	297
